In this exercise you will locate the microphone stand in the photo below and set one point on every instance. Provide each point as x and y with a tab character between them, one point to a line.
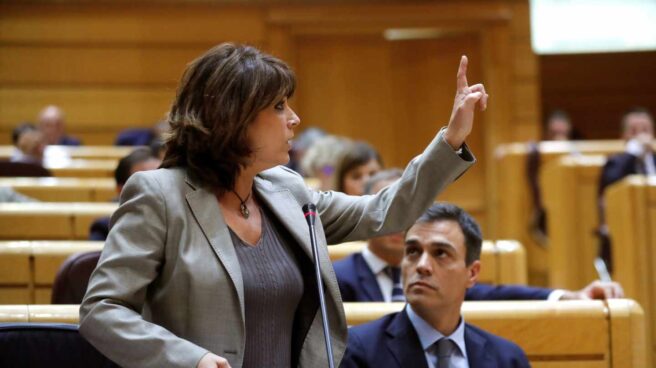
310	213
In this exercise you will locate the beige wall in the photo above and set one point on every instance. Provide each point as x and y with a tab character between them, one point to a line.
117	66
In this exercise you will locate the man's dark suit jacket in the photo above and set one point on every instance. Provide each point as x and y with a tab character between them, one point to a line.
357	283
69	141
135	137
618	167
99	229
393	342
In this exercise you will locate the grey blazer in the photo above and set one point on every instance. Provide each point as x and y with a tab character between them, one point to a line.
168	286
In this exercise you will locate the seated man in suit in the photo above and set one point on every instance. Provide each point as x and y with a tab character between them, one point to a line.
638	132
52	125
441	261
371	275
141	159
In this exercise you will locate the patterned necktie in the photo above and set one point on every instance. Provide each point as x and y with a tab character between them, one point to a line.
394	273
444	348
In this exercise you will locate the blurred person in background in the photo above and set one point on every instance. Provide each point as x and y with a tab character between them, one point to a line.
303	141
558	127
320	160
141	159
638	158
142	136
359	162
52	123
31	145
9	195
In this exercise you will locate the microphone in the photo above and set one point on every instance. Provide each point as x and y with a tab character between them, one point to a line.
310	213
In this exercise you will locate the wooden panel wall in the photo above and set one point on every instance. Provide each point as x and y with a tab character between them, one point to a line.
596	89
109	67
117	66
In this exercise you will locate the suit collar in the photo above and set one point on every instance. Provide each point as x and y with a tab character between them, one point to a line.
367	279
477	354
403	342
282	203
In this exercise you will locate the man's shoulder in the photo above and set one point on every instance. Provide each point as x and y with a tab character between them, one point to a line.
503	347
348	263
619	158
370	331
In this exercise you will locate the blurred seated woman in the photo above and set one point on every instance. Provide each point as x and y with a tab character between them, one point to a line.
359	162
322	157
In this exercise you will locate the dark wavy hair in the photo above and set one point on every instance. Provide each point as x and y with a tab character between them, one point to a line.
220	94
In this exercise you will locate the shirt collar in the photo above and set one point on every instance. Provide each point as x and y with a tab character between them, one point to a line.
376	265
429	336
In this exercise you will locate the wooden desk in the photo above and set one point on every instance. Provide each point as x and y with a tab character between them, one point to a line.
631	217
82	168
86	152
28	268
511	205
573	334
570	186
64	189
50	220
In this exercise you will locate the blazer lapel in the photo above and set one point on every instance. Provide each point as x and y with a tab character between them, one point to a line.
368	280
404	343
283	204
477	355
205	207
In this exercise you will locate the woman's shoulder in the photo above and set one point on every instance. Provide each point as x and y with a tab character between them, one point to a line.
282	175
168	178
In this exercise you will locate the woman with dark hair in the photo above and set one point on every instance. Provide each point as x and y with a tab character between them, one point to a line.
208	262
359	162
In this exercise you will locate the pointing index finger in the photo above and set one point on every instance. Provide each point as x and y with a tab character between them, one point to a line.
462	73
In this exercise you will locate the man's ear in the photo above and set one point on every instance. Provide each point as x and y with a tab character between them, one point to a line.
474	270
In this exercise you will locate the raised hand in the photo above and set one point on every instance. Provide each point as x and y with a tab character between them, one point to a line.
462	115
210	360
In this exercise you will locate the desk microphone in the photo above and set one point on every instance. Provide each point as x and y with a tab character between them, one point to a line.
310	213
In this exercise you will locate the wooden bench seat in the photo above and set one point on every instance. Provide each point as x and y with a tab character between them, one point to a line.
572	334
50	220
31	266
64	189
82	168
28	268
512	204
570	185
631	216
85	152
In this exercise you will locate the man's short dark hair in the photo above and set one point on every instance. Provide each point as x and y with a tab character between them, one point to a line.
469	227
383	175
124	168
